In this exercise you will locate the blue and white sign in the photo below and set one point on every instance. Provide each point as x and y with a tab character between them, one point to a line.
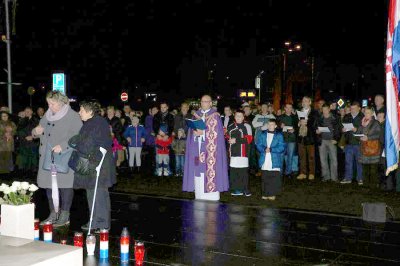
59	82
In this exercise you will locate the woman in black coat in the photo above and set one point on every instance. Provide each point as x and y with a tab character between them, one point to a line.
95	133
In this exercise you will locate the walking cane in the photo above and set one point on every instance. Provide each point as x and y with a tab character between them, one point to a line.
103	152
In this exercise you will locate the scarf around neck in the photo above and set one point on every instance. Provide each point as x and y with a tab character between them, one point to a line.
57	116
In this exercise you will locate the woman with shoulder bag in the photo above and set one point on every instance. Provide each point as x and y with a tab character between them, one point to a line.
55	128
371	148
95	133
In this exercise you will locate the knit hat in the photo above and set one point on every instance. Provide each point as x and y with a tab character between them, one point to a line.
164	129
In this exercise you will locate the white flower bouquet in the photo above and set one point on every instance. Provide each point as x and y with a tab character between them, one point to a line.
19	193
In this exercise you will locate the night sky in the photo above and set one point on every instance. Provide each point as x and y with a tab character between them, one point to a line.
109	46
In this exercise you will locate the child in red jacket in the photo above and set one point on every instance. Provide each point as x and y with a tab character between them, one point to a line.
163	145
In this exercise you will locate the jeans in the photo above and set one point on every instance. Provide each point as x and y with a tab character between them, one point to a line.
66	197
179	163
352	152
328	156
290	163
162	165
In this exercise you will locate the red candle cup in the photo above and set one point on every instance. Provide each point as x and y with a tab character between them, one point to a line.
63	242
37	224
78	239
48	232
139	253
104	235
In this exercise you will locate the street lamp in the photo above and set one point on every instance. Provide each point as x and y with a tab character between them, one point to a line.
8	42
287	49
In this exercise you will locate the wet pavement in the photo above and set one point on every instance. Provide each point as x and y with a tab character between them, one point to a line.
189	232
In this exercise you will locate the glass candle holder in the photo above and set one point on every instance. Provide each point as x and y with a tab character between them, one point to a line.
90	244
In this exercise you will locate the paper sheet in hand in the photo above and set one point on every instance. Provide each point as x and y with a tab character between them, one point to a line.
359	135
196	124
324	129
348	126
301	114
286	128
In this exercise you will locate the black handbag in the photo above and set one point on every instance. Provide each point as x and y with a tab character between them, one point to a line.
80	164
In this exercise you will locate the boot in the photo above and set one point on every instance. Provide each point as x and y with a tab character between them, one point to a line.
63	219
52	218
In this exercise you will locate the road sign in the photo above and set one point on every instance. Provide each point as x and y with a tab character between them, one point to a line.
59	82
124	96
258	83
340	103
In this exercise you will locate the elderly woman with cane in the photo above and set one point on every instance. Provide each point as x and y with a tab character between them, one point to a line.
94	135
55	128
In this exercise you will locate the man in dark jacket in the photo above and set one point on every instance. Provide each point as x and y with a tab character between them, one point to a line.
179	120
227	118
163	118
352	149
306	139
289	124
327	142
116	125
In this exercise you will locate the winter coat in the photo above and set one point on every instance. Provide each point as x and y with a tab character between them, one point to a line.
25	127
95	133
335	128
178	146
148	125
373	132
57	133
349	136
136	134
7	133
117	129
167	120
180	122
277	148
312	122
163	146
231	120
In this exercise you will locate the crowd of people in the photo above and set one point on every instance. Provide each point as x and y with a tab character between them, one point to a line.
320	139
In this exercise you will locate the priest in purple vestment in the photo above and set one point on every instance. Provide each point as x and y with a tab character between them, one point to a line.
206	168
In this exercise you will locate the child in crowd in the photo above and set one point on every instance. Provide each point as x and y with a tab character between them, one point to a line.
239	139
179	145
163	143
271	147
135	135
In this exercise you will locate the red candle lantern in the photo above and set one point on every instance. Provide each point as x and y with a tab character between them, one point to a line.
139	253
48	232
104	235
37	229
78	239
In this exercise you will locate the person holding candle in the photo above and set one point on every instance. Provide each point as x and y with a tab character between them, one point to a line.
94	134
